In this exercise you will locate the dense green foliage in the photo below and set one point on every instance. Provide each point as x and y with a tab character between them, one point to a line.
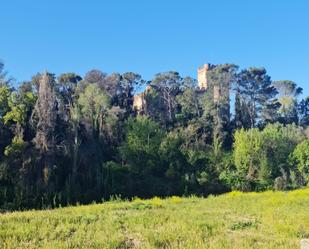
68	139
268	220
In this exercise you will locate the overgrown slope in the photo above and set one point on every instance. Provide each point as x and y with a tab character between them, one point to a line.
235	220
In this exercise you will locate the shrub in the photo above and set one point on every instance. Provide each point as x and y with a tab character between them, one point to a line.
299	161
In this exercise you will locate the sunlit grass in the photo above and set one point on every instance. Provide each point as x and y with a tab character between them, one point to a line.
233	220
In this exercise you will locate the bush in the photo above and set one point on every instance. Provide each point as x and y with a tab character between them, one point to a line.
299	161
261	157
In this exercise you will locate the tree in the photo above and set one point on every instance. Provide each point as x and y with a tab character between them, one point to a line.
248	155
168	85
94	104
5	93
189	100
175	162
95	76
288	92
261	156
44	115
221	78
67	87
141	131
143	162
20	107
4	80
5	133
66	140
44	119
299	160
278	142
128	84
2	73
241	118
256	90
303	110
111	85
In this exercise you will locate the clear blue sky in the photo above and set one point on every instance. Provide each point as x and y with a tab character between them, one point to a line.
152	36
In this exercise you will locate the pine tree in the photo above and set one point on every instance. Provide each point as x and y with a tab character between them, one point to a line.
257	92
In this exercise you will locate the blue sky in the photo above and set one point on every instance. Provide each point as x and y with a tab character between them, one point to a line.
154	36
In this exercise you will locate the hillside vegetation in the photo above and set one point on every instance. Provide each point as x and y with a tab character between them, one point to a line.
234	220
67	139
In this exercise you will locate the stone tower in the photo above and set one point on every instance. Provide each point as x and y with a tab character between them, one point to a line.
204	85
202	76
139	100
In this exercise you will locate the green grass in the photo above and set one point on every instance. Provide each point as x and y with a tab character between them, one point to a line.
234	220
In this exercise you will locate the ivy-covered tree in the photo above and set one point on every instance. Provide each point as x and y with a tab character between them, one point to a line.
221	78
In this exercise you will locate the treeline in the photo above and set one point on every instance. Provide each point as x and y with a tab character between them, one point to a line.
68	139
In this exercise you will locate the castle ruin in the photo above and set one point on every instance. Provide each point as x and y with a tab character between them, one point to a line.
139	101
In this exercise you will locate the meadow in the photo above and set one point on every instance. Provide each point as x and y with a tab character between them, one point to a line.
277	220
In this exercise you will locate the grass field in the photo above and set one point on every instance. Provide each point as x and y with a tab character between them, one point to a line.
235	220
